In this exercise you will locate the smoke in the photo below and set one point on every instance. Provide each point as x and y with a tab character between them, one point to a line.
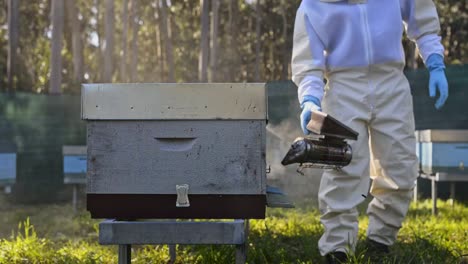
301	189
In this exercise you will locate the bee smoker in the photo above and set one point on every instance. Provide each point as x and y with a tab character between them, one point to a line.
327	149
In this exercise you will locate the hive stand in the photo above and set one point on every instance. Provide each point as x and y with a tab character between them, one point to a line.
173	232
440	177
442	154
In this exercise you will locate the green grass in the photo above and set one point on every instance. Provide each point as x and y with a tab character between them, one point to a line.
53	234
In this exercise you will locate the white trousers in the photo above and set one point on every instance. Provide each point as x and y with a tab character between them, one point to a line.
377	103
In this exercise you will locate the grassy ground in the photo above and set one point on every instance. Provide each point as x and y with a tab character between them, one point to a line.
53	234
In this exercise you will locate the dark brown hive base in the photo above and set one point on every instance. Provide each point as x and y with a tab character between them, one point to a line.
146	206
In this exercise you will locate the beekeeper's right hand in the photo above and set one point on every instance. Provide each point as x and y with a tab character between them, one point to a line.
310	103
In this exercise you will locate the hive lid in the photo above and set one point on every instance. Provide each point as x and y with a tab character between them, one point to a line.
442	135
74	150
171	101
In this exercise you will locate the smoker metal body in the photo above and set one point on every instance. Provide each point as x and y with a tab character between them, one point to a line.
319	153
146	140
326	148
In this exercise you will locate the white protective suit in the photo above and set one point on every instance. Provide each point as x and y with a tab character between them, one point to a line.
356	45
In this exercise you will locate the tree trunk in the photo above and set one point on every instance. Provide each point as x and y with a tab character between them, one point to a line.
232	29
77	44
285	53
204	41
13	37
166	22
56	56
257	39
214	40
99	33
158	41
123	61
162	42
135	28
109	42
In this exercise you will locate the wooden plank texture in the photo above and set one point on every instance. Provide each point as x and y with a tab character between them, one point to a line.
74	150
443	135
152	157
113	232
187	101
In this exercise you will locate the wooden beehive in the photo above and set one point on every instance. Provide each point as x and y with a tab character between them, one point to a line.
74	164
7	164
443	151
145	140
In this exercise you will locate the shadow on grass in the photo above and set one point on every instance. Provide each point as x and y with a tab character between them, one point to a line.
268	247
419	250
302	248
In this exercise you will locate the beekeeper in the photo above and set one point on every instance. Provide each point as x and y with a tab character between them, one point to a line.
356	45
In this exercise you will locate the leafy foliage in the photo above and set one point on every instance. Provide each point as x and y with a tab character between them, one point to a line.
25	245
236	57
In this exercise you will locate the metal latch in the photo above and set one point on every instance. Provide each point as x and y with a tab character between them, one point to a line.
182	195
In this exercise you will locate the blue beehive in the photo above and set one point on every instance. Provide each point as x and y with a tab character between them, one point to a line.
443	151
74	164
7	166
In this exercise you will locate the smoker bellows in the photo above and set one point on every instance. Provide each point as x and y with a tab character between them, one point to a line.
175	150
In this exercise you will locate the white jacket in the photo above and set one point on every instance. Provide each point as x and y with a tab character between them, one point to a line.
335	35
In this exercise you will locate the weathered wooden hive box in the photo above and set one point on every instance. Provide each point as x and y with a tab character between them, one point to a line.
175	150
443	151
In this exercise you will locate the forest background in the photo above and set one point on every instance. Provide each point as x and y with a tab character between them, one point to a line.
52	46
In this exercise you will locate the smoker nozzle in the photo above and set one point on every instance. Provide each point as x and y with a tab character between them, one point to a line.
321	152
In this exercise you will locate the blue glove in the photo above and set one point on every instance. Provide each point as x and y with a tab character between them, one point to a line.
310	103
437	80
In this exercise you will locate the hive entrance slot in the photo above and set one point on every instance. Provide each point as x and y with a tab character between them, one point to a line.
176	144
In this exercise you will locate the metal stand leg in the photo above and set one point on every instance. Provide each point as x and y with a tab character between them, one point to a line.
434	197
415	192
172	253
452	193
75	197
125	254
241	250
